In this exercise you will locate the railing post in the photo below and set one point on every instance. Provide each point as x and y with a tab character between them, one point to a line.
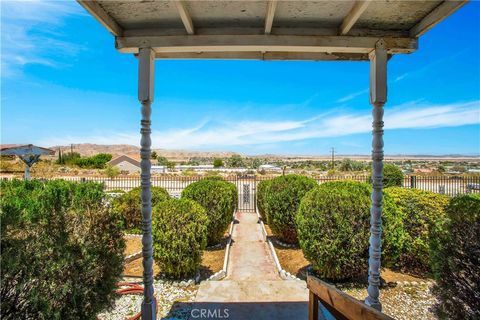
378	97
146	63
413	182
312	306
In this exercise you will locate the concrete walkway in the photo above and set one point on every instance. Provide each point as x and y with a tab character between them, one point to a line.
250	258
252	288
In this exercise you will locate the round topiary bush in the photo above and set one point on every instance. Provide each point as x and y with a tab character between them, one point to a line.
392	176
62	250
219	198
262	187
129	207
179	236
420	212
455	247
282	198
333	223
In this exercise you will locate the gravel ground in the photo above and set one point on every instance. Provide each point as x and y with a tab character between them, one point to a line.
167	293
402	302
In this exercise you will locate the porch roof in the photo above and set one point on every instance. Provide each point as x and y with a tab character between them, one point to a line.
268	30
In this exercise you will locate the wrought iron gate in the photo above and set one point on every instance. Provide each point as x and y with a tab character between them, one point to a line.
246	186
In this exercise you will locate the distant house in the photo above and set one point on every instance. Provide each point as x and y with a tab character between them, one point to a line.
158	169
269	167
125	164
204	167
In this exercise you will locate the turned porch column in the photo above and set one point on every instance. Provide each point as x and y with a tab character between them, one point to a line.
378	97
146	64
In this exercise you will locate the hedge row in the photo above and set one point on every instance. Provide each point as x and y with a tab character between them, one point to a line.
455	247
62	250
332	221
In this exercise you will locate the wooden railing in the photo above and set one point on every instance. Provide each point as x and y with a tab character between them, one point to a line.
340	305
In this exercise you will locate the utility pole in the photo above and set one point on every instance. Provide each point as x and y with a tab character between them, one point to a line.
333	158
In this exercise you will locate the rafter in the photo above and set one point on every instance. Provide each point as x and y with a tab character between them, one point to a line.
185	16
271	6
353	15
438	14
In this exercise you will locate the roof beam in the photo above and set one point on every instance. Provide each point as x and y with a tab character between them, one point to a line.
256	55
185	16
266	43
438	14
102	16
353	15
271	6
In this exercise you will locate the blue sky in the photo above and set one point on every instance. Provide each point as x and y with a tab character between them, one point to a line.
63	82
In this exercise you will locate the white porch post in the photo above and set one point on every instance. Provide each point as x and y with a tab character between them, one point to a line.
146	64
378	97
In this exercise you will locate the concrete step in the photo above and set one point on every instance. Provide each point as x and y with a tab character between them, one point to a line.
252	291
251	300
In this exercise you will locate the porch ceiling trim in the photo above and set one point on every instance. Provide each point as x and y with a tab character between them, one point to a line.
279	40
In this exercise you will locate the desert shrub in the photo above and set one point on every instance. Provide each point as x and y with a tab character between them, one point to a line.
62	250
282	199
97	161
261	194
333	223
455	247
392	176
420	210
179	236
219	198
129	205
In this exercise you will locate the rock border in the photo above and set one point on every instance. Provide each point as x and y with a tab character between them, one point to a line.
223	273
285	275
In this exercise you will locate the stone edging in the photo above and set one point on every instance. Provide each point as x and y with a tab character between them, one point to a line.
283	273
223	273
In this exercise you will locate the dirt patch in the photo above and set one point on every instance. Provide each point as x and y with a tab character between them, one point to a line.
212	259
132	245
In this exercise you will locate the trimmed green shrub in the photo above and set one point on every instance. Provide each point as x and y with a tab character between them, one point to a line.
61	253
261	195
455	247
219	198
420	210
282	198
129	207
179	236
392	176
333	223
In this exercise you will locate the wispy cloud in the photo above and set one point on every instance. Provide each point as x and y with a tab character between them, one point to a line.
405	75
352	95
251	133
30	34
